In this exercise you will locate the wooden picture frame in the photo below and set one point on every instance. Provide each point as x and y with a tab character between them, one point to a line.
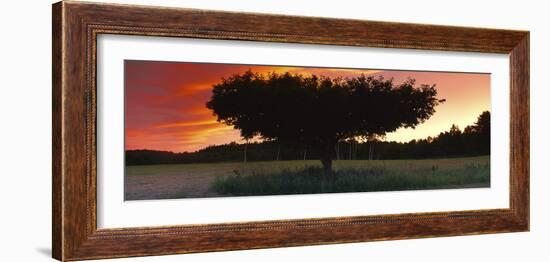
76	26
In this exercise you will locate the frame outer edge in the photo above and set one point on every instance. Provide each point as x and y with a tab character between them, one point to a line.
519	136
71	198
57	140
57	122
72	240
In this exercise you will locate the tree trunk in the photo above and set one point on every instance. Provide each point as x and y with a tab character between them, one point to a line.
245	147
350	150
337	151
370	150
327	165
244	160
326	160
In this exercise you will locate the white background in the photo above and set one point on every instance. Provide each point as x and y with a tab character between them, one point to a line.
25	147
114	212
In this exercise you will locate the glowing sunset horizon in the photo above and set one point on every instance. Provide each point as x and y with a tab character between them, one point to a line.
165	102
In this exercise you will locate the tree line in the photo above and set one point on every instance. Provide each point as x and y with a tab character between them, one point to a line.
473	140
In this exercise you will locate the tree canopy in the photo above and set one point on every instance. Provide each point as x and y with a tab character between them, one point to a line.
317	112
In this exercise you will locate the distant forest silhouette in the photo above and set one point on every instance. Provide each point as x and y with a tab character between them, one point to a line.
473	140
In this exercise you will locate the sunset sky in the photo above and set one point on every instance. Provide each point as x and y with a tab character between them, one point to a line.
165	102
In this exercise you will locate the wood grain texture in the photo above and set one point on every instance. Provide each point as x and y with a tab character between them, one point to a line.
76	26
57	202
519	129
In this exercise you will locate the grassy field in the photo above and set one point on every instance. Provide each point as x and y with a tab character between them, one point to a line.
298	177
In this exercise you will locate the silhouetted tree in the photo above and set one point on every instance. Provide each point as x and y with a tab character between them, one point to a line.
318	112
479	134
484	130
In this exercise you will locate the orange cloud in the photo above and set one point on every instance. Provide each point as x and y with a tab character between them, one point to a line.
186	124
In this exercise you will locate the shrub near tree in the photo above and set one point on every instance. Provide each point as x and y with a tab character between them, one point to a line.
316	112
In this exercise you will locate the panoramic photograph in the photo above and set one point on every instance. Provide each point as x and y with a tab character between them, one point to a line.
198	130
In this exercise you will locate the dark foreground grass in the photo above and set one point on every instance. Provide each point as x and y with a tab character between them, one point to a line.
311	180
